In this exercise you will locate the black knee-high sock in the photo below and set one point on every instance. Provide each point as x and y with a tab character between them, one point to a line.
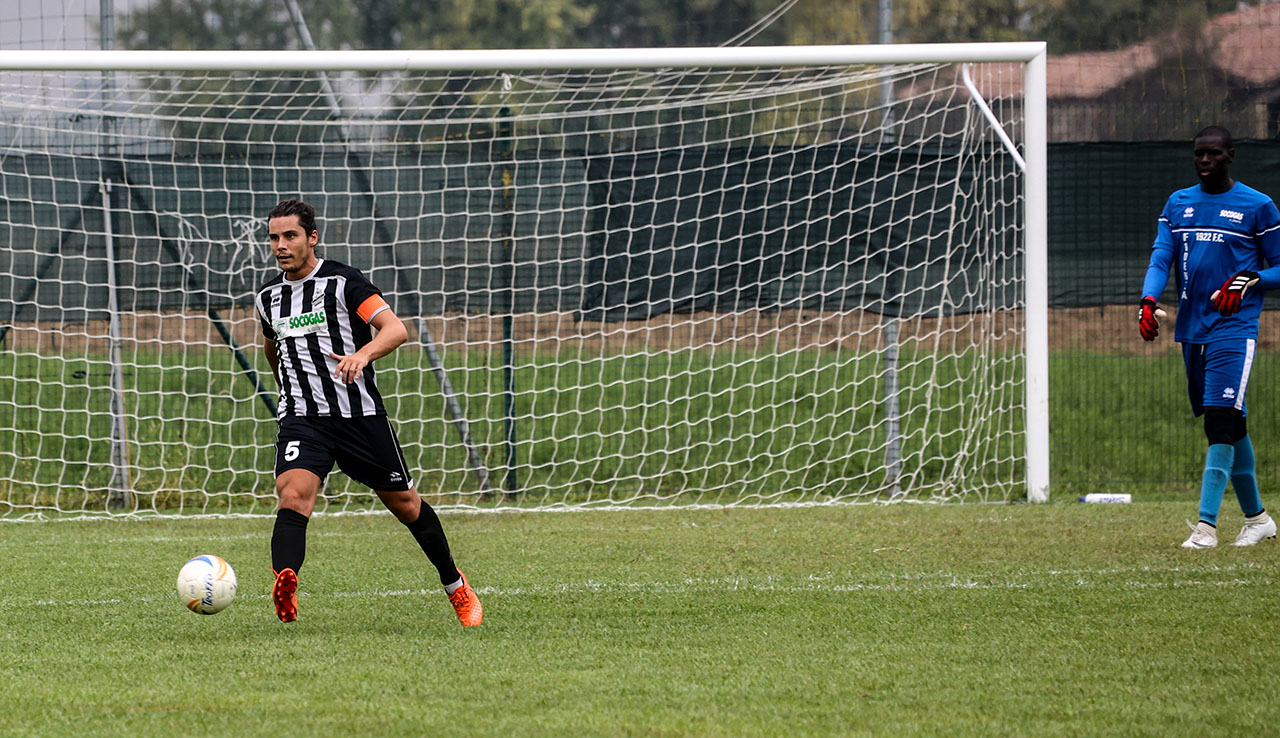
289	540
429	534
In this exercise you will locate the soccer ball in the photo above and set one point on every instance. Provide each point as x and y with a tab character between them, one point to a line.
207	584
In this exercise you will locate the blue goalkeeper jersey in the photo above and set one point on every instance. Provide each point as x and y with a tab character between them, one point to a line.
1212	237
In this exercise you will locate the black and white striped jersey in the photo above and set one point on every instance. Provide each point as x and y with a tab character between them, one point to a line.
328	310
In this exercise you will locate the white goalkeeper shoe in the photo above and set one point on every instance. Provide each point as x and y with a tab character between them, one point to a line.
1203	535
1255	529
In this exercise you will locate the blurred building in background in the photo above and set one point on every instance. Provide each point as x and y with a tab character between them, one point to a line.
1226	71
1118	71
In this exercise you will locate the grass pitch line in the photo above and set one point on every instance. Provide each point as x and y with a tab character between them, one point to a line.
1232	575
201	539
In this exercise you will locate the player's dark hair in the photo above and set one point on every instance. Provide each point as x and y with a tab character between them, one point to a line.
306	214
1219	132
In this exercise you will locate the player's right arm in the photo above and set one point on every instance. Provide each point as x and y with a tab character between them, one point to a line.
269	341
273	357
1157	276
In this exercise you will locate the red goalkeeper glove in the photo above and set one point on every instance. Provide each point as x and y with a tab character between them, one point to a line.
1148	321
1228	299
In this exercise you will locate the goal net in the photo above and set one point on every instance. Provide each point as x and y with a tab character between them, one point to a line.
643	278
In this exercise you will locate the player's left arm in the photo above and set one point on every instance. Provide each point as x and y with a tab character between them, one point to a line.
390	334
1229	298
1269	245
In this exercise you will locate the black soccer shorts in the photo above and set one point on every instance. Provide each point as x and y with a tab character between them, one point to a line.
365	449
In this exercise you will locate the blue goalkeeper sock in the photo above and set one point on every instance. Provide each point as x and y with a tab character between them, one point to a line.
1217	471
1243	479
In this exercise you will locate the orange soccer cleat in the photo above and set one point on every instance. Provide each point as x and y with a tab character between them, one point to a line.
285	594
466	604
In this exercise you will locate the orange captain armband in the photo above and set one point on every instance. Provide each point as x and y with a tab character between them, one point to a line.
371	307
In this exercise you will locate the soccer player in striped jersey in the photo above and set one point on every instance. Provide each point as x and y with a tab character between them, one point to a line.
1215	236
319	319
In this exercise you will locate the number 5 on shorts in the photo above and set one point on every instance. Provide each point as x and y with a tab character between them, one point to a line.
291	450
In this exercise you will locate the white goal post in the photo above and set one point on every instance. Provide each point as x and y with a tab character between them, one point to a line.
632	277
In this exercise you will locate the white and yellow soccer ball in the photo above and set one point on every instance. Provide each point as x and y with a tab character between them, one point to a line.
207	584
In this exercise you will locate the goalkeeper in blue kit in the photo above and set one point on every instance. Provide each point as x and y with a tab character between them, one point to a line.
1215	237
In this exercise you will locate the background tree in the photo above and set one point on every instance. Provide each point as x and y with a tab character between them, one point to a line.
233	24
1098	25
369	24
1068	25
1187	74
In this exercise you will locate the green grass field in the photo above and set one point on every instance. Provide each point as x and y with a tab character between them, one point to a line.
969	620
619	426
803	425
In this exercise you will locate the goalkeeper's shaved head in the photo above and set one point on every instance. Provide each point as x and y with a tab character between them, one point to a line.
1212	154
1219	133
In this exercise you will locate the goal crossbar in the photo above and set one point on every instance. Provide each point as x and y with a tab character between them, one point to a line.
422	60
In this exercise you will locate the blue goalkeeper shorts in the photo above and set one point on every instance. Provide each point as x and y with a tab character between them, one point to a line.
1218	373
